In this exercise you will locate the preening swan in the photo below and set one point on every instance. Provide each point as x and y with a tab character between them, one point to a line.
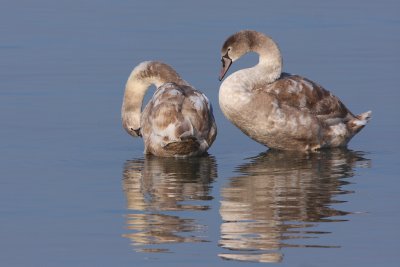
280	110
177	121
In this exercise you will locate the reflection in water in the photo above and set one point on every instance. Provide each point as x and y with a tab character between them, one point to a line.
155	186
279	197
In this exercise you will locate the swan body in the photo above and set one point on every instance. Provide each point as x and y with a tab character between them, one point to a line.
178	120
280	110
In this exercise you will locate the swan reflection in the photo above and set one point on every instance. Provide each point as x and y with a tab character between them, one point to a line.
280	198
156	189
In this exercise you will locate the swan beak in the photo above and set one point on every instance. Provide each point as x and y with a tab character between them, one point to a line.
137	132
226	63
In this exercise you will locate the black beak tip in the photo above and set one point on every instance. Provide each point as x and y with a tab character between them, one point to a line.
137	132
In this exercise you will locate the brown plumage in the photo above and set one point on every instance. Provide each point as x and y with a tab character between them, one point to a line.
177	121
281	110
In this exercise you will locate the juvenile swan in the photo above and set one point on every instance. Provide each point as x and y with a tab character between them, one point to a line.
280	110
177	121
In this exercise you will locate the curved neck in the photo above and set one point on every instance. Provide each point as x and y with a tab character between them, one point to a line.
269	67
141	78
235	90
135	91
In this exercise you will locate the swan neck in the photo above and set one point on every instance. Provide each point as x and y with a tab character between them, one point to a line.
135	90
269	67
142	77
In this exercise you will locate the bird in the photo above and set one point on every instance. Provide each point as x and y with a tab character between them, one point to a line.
177	121
280	110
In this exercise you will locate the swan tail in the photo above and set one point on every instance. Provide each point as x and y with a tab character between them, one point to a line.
184	146
359	122
186	140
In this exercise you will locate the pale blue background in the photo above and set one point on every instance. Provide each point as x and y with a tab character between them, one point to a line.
63	67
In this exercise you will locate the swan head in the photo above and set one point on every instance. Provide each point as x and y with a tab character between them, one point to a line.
235	47
131	123
245	41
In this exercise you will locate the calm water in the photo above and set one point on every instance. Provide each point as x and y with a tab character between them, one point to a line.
76	190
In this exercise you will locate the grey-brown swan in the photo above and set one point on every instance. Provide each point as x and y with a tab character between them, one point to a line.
280	110
177	121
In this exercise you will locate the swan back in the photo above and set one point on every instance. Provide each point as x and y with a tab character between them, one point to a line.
177	121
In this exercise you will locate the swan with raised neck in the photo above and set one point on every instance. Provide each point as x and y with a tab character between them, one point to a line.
280	110
178	119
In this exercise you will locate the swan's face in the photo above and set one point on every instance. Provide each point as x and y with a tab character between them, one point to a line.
131	123
234	47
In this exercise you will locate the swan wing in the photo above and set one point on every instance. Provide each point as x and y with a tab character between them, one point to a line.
307	96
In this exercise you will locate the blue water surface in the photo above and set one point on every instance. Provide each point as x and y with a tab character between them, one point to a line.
76	190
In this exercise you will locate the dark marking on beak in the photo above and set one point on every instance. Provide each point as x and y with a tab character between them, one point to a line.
137	132
226	63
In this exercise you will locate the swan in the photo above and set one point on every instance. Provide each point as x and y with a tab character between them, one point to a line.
177	121
280	110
